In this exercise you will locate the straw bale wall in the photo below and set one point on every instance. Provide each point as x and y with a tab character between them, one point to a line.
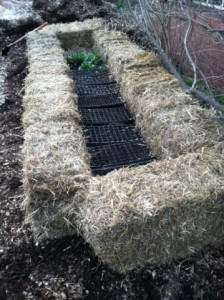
155	213
56	162
167	118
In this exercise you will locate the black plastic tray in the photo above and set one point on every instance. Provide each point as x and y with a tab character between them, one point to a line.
94	73
99	80
96	89
102	116
114	156
94	101
111	134
105	170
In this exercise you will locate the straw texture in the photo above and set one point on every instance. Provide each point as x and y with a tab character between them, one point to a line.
155	213
171	122
150	214
56	162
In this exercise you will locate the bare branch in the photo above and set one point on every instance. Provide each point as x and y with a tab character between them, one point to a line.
205	98
186	41
156	15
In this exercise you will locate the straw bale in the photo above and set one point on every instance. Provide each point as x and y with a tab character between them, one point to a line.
155	213
170	121
76	34
77	26
55	167
59	68
46	82
173	132
42	100
56	161
38	112
120	53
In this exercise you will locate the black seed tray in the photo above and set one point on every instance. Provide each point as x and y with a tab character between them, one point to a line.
81	73
97	89
99	80
105	170
111	134
118	155
91	101
101	116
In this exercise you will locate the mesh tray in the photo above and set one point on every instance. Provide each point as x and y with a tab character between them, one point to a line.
100	80
111	134
109	157
80	73
100	116
89	101
105	170
97	89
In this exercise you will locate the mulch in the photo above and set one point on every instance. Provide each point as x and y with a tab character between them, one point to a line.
67	268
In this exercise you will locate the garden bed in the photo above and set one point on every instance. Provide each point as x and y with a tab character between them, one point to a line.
155	213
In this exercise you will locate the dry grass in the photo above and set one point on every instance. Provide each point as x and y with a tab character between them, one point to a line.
55	169
121	54
150	214
155	213
171	122
56	162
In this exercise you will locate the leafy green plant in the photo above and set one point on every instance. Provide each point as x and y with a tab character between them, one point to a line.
87	65
77	58
95	59
86	61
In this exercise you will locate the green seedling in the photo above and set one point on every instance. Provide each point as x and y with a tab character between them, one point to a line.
94	59
77	58
86	61
86	65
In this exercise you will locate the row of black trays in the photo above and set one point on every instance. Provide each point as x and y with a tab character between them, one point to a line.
113	156
103	101
102	116
111	134
108	125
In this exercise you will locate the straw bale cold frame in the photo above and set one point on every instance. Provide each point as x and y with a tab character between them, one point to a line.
112	140
161	209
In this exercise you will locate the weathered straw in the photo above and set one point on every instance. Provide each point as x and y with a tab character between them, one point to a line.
156	213
55	167
150	214
56	162
168	119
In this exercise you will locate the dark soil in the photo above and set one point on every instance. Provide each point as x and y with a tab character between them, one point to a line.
67	268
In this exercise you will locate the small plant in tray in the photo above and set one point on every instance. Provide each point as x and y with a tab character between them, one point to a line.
86	62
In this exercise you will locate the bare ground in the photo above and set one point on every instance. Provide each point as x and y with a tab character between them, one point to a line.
68	268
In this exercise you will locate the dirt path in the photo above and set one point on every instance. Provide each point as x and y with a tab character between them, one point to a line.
67	268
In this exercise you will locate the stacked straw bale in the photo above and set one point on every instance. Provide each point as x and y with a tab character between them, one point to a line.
56	162
155	213
168	119
151	214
